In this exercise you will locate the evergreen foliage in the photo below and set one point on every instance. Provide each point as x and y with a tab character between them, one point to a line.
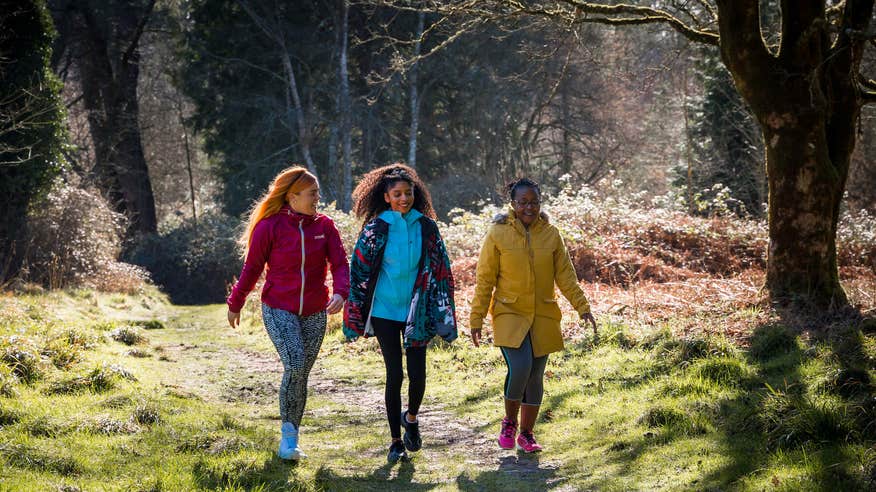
726	144
494	106
31	120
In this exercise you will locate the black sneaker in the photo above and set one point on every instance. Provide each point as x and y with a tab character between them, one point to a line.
396	452
412	438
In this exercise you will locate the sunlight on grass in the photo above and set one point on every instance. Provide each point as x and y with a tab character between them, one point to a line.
195	408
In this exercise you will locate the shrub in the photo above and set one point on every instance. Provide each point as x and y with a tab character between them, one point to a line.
73	239
194	262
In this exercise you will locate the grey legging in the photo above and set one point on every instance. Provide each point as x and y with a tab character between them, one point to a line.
525	379
297	340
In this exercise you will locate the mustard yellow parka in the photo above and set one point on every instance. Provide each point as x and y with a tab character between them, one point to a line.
522	266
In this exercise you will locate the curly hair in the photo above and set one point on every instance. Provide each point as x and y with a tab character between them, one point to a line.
512	187
368	195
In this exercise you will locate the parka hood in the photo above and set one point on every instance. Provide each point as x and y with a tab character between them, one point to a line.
502	217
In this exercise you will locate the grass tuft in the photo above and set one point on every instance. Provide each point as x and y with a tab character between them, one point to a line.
849	382
8	416
146	414
8	381
100	379
127	335
43	426
661	416
771	341
228	474
106	425
117	401
724	371
213	443
22	456
790	418
21	356
152	324
62	353
227	422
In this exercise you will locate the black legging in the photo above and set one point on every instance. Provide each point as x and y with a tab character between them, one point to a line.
389	335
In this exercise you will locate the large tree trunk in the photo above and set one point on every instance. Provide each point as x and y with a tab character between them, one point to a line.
805	190
109	87
807	102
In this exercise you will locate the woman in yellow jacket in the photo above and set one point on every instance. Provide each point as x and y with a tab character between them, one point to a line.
522	257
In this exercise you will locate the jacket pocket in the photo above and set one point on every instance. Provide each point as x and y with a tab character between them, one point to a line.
550	308
505	298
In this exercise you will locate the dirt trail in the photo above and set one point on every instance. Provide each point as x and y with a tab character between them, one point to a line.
242	375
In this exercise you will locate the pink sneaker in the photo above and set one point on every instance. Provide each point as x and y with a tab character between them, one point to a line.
526	441
507	434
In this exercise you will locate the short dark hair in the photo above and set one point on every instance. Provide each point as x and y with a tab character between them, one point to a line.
513	186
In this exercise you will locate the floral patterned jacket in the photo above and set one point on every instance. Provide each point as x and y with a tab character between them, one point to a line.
432	311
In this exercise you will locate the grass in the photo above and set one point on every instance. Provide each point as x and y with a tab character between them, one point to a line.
192	406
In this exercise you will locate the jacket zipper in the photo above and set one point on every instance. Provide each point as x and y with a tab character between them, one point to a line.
303	257
531	255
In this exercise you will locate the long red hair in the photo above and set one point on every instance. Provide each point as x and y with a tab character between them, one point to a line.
290	180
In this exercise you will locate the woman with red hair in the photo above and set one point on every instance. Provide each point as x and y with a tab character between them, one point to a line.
297	244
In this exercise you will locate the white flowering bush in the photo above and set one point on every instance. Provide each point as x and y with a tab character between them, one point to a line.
73	239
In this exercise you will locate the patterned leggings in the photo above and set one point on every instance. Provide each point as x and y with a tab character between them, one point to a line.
297	340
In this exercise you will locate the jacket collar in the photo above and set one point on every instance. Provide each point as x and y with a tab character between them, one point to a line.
391	216
296	217
510	218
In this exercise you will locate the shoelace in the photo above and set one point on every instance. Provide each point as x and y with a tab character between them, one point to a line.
529	438
508	429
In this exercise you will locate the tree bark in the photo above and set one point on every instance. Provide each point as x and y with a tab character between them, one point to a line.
414	99
345	109
807	105
109	86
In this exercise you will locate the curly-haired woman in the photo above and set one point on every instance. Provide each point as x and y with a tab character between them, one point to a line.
297	244
522	257
401	289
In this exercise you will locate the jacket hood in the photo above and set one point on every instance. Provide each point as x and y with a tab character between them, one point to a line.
502	217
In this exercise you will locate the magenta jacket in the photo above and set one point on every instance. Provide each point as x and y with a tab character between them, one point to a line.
297	250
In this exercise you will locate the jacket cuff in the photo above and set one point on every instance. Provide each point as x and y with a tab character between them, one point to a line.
234	305
476	323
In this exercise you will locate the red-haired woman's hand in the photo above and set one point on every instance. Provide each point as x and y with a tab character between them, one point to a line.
233	319
335	304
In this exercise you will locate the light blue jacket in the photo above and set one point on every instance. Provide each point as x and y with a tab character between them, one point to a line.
398	271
